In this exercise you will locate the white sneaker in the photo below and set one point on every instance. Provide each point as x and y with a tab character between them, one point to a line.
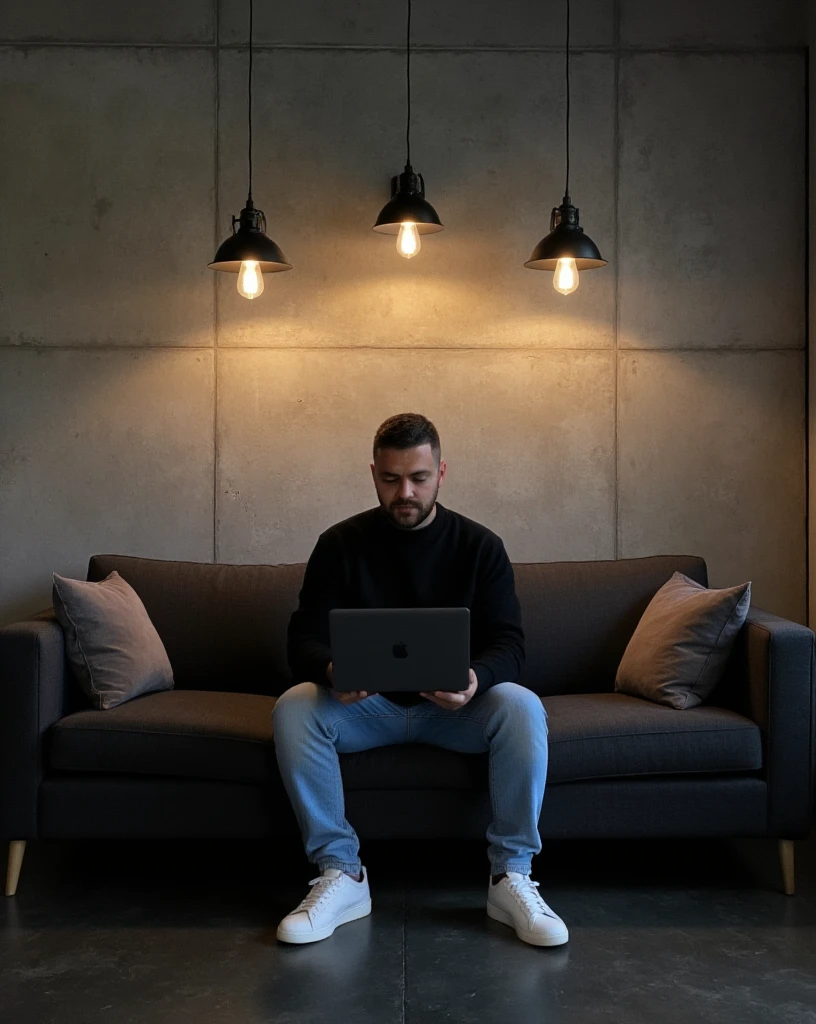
335	899
514	900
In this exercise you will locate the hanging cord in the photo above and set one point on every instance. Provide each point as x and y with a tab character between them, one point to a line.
566	186
249	105
408	82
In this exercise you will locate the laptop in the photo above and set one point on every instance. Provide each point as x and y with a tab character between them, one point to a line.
386	649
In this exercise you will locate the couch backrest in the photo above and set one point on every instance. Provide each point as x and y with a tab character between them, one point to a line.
224	626
578	617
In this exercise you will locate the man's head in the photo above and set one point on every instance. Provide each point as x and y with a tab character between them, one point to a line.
407	468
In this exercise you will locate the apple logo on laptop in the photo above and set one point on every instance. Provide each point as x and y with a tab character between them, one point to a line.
400	650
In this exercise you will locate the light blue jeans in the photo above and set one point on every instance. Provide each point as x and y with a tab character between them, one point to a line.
311	728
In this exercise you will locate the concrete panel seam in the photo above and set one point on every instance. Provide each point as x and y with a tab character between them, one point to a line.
31	44
124	347
216	240
484	348
397	348
616	262
403	348
435	348
712	348
808	338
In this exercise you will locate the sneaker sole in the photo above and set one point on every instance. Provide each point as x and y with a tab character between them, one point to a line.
534	939
352	914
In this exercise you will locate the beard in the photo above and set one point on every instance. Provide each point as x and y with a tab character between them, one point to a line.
413	518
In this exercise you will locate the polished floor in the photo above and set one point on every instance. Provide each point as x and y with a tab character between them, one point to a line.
661	932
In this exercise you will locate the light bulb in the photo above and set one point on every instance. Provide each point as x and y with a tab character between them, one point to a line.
408	239
250	280
565	279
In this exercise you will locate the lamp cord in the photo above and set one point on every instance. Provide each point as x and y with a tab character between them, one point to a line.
566	186
249	104
408	83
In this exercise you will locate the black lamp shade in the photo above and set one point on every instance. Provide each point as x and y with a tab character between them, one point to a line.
408	203
411	207
566	243
249	242
249	245
566	240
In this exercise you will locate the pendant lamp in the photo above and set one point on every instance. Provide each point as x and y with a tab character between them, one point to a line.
249	252
566	249
408	214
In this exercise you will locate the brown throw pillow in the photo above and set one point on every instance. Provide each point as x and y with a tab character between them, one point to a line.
680	646
111	644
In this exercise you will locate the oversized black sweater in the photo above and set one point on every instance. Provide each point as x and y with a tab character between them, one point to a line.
368	562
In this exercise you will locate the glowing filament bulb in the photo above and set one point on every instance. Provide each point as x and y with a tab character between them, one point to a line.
565	279
250	279
408	239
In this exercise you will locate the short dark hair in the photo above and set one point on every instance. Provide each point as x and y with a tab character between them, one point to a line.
407	430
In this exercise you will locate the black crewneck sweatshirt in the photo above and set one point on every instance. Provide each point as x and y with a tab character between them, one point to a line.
452	562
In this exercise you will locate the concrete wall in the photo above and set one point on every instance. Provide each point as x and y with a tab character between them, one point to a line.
146	409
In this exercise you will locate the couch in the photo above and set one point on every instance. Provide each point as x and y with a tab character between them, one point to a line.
198	761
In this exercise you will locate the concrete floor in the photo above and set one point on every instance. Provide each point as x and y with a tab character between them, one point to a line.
171	932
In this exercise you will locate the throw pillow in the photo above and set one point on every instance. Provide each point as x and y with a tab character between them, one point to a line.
111	644
680	646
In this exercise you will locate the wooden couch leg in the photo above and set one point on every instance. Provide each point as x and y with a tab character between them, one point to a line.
15	862
786	860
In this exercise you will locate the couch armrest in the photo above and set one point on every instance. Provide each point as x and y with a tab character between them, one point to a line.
32	696
770	679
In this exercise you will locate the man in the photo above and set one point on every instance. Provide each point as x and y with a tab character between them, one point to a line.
411	551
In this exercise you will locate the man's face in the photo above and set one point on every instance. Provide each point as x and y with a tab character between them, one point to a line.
407	483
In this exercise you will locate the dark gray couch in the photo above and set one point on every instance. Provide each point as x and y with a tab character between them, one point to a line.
199	760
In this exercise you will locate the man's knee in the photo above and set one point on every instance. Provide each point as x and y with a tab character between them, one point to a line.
298	701
517	699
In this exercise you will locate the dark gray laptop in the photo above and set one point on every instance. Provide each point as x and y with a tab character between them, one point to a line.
384	649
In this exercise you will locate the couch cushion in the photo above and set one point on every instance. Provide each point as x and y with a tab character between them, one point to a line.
604	735
196	733
220	735
591	735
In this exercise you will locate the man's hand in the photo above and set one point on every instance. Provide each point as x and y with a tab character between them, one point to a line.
454	700
346	698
